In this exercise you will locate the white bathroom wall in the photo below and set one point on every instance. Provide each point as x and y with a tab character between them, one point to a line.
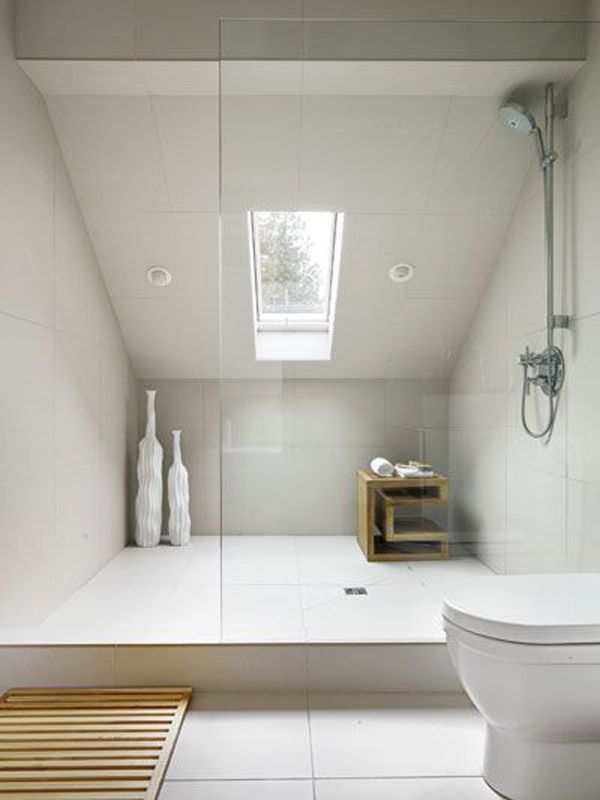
65	382
291	448
528	505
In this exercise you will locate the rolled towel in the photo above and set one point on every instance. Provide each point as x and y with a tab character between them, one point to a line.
382	467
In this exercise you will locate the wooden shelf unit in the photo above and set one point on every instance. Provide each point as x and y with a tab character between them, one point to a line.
400	538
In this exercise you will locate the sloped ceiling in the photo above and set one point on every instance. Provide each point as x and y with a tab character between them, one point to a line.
413	154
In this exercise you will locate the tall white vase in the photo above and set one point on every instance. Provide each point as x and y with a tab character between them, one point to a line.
180	523
148	503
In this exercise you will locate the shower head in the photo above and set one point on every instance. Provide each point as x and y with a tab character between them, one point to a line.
517	118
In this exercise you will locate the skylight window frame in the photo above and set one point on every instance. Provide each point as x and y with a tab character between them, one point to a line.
301	321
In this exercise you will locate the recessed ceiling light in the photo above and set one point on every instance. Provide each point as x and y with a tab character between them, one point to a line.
400	273
159	276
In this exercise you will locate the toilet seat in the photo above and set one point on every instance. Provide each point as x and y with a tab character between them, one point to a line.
529	609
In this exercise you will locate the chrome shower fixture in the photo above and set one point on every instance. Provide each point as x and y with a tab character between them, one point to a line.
545	370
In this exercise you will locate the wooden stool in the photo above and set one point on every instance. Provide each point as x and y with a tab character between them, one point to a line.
422	537
385	536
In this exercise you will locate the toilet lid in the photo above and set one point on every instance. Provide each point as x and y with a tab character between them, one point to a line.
534	609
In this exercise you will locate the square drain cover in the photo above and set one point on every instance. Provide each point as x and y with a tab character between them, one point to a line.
355	590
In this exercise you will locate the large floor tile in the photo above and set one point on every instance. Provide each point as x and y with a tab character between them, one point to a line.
268	560
243	737
442	573
395	611
203	561
369	736
189	613
161	564
438	577
238	790
103	612
338	560
405	789
262	614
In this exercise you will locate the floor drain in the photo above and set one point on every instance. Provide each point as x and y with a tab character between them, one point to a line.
355	590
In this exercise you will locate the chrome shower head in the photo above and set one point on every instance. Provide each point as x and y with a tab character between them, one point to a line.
517	118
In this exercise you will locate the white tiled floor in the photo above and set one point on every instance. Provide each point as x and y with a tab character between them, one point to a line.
274	589
328	747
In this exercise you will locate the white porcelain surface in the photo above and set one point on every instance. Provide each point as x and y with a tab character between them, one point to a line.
542	732
535	609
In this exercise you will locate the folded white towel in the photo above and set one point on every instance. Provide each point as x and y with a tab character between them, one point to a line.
382	467
408	471
405	470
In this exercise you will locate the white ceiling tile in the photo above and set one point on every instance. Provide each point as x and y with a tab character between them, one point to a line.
123	78
369	154
259	77
188	130
480	167
383	77
89	77
451	255
186	244
171	337
111	147
181	77
260	152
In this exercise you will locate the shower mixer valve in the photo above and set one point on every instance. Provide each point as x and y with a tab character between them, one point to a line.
545	370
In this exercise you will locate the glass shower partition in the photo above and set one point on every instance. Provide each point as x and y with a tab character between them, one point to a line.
355	153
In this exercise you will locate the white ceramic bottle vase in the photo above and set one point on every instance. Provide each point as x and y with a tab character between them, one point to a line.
180	523
148	503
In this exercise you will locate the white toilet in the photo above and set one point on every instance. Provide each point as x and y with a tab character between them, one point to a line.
527	650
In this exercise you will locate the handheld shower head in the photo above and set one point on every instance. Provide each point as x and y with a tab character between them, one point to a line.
517	118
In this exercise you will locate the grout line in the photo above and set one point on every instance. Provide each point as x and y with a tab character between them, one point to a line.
325	779
311	751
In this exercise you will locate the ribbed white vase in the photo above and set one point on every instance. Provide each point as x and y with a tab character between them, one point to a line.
148	503
180	524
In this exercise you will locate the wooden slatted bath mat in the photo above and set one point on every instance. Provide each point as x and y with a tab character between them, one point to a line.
88	744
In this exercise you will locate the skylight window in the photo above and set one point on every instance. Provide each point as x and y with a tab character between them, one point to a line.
295	262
